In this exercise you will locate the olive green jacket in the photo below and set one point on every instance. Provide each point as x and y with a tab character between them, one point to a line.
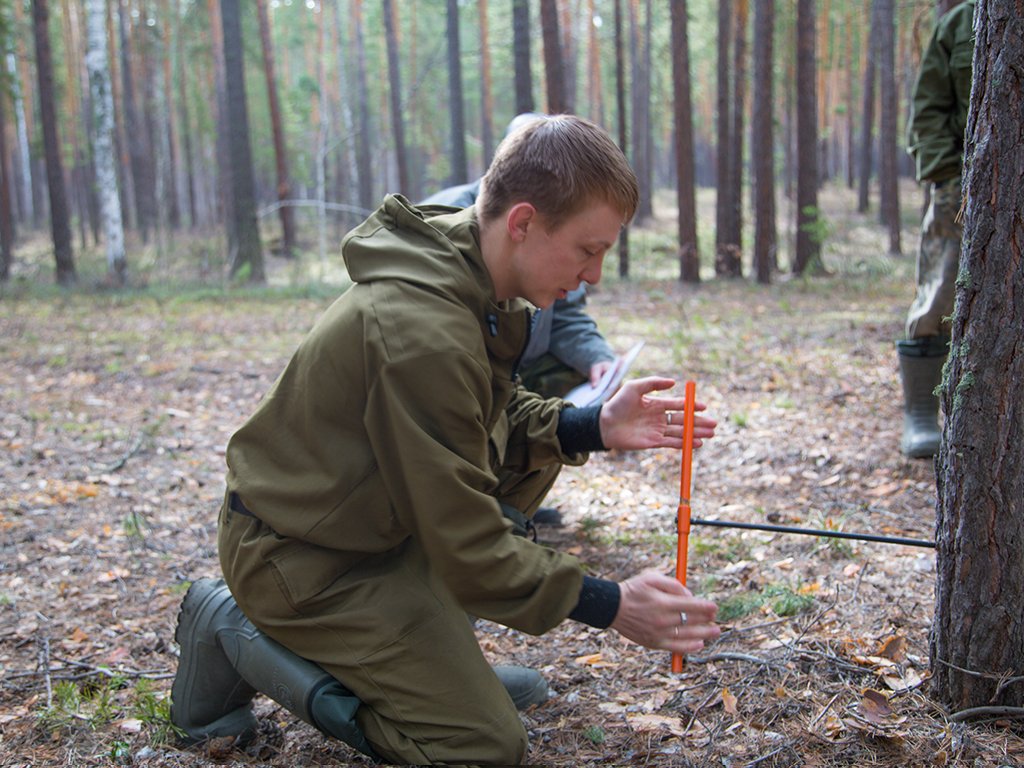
941	97
397	411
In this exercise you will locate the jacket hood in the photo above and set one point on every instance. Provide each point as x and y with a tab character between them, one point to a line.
430	246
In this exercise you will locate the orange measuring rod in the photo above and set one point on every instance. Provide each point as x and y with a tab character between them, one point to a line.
683	511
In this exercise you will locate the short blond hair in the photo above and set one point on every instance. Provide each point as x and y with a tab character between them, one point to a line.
558	164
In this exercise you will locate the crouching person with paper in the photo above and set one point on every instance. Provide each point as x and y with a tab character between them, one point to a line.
373	498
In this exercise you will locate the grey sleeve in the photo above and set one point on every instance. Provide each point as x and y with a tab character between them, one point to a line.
575	339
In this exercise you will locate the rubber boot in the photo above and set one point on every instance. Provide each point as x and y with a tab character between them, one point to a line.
921	362
225	660
526	686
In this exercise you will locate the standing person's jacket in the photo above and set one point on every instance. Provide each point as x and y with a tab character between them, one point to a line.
941	97
395	415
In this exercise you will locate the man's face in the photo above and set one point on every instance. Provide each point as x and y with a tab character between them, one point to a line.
552	262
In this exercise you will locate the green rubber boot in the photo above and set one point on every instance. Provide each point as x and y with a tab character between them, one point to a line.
526	686
921	362
225	660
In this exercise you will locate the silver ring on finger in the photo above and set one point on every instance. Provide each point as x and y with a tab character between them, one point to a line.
668	415
683	618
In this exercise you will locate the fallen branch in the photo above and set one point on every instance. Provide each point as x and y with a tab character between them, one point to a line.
734	656
1016	713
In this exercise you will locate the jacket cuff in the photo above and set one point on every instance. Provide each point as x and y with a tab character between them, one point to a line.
579	429
598	604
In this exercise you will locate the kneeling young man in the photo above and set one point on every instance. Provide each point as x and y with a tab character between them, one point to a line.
374	497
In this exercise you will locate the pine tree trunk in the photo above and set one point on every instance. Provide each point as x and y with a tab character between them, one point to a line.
977	639
170	119
285	213
641	93
889	197
486	98
250	249
689	257
59	226
6	214
460	163
762	144
521	56
723	121
868	114
364	138
808	244
554	72
620	111
395	93
732	257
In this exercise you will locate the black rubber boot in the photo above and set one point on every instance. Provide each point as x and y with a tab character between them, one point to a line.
225	660
921	362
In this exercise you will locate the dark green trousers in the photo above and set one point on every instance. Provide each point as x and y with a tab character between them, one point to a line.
389	631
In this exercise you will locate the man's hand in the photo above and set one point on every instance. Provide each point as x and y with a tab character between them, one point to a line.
657	611
634	419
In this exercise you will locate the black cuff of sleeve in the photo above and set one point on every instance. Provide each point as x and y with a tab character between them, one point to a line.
579	429
598	604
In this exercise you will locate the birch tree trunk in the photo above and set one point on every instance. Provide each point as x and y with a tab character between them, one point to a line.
98	63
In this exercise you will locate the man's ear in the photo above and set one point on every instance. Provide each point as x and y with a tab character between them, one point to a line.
519	219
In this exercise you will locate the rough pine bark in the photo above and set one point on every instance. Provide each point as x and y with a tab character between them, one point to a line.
395	93
723	124
243	186
459	160
640	47
521	56
364	137
486	91
59	226
554	66
620	111
6	212
284	193
889	196
868	115
808	237
97	62
689	257
732	258
143	180
762	142
977	641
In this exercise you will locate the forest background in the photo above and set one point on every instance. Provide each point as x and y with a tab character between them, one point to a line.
305	113
163	195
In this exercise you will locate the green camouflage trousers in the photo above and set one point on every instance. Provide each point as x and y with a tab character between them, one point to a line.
938	260
550	377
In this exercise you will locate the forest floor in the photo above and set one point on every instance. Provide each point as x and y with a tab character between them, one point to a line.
115	408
